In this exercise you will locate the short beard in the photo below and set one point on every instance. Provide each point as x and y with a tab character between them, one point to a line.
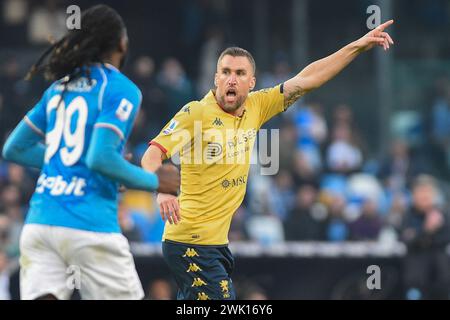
231	108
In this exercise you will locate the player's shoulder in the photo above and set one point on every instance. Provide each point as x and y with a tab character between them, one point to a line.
194	108
118	83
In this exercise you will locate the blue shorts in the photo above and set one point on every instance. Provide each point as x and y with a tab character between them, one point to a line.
201	272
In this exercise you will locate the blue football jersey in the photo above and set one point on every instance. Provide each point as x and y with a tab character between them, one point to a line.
68	194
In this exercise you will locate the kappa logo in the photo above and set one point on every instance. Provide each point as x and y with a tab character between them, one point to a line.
193	267
198	282
190	253
187	110
217	122
202	296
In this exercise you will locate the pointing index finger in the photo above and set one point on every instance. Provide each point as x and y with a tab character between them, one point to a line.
383	26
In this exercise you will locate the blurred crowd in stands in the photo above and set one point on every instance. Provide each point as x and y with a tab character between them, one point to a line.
331	184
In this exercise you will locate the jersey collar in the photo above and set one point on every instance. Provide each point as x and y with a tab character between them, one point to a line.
106	65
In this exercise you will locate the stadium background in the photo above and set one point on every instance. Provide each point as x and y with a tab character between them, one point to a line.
311	231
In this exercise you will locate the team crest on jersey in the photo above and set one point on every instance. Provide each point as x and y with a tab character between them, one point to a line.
224	286
171	127
124	110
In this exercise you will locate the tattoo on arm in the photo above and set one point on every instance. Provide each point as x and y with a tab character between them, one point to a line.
294	96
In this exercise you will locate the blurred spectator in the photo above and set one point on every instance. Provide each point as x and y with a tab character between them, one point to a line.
14	15
4	277
439	118
399	168
337	228
343	116
441	113
10	196
15	215
265	226
208	59
397	211
368	225
287	145
237	230
311	133
141	130
48	20
282	197
4	231
252	291
15	11
17	176
127	225
304	170
311	126
281	71
426	233
307	221
265	229
3	120
361	187
343	155
13	98
154	108
159	289
176	85
144	214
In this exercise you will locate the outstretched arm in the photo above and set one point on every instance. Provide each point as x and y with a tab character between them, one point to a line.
319	72
24	146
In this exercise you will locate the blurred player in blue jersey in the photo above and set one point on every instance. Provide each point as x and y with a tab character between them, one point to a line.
72	236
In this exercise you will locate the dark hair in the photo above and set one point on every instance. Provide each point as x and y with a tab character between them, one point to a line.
238	52
101	31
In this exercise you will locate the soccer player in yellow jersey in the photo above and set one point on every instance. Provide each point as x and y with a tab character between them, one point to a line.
214	138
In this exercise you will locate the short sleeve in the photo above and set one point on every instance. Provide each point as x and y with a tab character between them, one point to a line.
269	101
36	118
120	105
180	130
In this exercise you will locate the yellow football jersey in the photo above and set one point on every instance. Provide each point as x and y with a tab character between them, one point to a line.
214	148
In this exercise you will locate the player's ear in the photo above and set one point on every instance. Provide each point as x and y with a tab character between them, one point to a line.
123	44
216	76
252	83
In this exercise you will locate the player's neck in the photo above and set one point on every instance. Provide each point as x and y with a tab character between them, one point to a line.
113	60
